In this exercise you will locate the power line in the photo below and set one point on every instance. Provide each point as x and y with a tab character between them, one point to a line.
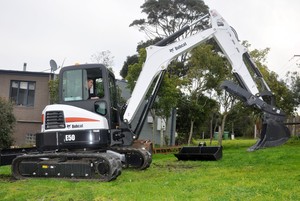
289	65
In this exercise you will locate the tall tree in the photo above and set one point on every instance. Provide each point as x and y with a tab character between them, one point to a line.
135	69
130	60
293	82
206	71
199	112
165	17
226	102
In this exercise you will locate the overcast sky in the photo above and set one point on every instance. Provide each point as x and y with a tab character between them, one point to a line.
35	31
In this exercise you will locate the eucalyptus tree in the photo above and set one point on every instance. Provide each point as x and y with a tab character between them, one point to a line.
165	17
206	70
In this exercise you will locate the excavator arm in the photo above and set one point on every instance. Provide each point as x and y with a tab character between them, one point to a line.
161	54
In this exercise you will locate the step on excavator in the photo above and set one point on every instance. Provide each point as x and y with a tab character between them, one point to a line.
88	136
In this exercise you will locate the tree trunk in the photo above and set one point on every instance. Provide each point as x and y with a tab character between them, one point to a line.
191	132
211	131
221	131
161	137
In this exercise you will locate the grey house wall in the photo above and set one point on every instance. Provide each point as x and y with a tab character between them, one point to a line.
150	129
28	118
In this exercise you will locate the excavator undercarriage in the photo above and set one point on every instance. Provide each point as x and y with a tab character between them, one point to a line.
96	166
76	164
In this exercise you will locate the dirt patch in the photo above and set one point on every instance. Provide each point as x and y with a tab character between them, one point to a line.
177	165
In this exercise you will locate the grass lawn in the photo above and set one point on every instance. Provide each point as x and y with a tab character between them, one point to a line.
268	174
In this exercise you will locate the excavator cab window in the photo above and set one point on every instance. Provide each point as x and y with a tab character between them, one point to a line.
82	84
73	89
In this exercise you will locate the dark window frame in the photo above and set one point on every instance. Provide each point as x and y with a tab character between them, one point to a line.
17	100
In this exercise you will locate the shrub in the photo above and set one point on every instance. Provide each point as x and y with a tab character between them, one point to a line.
7	122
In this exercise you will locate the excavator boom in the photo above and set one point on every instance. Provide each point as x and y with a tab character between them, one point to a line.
162	53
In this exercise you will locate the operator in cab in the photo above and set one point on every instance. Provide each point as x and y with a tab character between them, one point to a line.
90	84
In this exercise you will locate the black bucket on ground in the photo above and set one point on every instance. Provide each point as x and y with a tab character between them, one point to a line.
273	134
201	153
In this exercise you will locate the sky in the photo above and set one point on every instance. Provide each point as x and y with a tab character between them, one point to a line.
71	31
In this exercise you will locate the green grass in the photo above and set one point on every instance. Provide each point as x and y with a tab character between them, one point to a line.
268	174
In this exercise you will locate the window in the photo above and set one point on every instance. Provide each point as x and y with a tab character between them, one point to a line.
22	92
30	139
74	86
82	84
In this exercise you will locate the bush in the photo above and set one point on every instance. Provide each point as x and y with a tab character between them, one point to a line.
7	122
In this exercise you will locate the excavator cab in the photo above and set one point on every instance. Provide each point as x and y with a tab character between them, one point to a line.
90	87
87	115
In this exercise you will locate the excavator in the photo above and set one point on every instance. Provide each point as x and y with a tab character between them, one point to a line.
88	136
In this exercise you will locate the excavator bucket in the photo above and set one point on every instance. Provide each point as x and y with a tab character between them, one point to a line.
273	134
201	153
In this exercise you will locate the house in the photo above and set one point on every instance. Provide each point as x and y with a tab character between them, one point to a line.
30	93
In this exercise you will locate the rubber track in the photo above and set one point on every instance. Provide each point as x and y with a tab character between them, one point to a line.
115	164
145	156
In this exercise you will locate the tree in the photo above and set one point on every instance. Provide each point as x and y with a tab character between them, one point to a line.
293	82
103	57
53	90
135	58
7	122
168	96
200	113
206	70
135	69
241	119
226	102
165	17
130	60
